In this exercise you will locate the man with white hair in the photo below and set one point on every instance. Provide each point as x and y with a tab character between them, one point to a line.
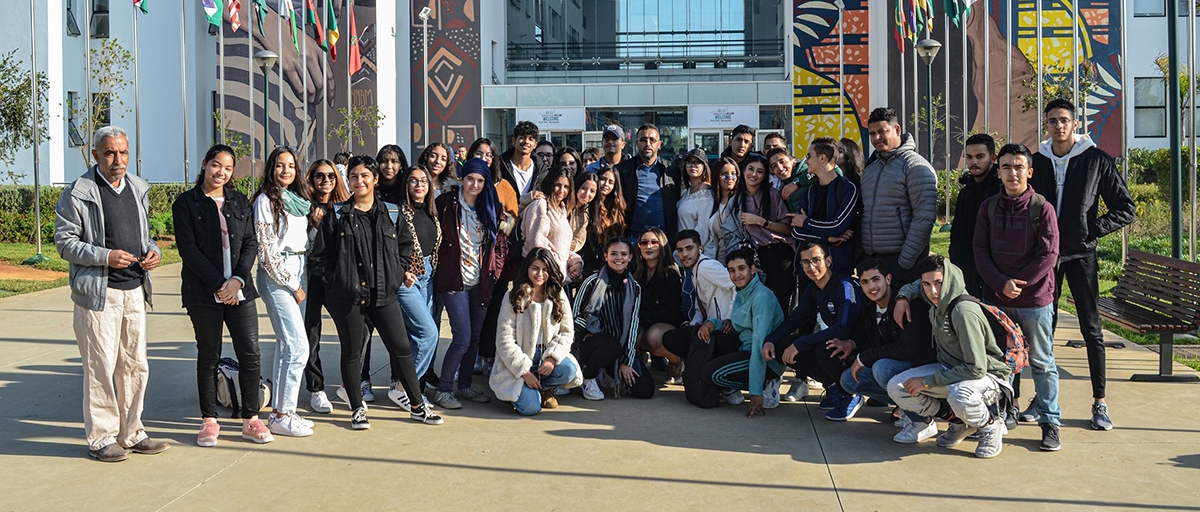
102	229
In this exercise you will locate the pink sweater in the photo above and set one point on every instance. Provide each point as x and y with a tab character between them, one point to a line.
547	228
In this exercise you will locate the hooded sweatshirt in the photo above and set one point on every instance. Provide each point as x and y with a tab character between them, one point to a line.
756	313
1074	185
969	351
1010	248
899	198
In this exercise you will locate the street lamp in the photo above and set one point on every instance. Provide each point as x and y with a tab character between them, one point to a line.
928	49
424	15
265	60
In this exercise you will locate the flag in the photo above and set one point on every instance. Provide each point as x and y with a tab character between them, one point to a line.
213	11
958	11
285	11
260	8
316	21
334	35
232	8
141	4
355	56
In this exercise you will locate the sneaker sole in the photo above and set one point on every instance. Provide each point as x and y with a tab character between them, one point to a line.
108	459
1045	448
256	440
206	444
151	452
422	421
291	434
1100	427
360	426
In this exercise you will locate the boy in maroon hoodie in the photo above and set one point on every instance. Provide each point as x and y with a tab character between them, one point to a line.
1016	248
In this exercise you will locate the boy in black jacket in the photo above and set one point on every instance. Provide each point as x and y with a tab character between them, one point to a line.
1073	175
978	183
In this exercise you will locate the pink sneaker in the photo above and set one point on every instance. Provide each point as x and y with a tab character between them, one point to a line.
254	430
208	434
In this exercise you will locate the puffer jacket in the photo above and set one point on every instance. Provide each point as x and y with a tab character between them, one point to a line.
79	237
969	350
899	195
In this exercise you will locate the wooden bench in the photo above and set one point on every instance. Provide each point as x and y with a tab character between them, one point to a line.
1156	295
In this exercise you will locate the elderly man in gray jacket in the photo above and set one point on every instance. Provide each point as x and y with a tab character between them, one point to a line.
102	229
899	194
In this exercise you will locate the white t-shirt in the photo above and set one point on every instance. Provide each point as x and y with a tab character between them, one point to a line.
523	177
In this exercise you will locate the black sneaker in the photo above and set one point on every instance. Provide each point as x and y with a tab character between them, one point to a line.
1050	441
1010	418
358	421
424	414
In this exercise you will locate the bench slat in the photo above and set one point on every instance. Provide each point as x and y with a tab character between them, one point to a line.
1155	294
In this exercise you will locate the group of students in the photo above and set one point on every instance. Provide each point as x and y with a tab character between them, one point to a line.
557	271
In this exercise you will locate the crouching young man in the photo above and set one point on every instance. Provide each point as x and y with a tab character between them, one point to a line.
964	386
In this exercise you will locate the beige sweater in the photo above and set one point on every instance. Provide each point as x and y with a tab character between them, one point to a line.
516	343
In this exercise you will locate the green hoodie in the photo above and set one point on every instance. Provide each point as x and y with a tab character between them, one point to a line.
756	313
970	350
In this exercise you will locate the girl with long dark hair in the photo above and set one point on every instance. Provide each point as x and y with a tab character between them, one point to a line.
215	235
545	221
392	162
328	189
768	229
723	222
533	352
436	158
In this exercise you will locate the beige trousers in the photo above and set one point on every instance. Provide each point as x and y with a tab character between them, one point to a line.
112	348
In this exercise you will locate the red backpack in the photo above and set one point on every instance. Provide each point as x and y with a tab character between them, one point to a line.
1008	334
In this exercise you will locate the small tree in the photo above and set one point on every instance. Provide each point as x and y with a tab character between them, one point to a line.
110	63
350	125
1058	81
16	112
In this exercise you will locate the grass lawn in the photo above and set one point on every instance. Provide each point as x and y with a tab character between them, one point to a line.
16	253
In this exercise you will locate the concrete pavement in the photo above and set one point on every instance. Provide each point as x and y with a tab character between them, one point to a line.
661	454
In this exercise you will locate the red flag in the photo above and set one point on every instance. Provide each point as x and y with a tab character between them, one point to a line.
355	57
231	10
316	21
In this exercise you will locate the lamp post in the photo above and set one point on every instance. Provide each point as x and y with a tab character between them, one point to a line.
928	49
266	60
424	15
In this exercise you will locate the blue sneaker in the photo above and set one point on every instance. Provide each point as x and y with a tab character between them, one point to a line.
833	395
845	408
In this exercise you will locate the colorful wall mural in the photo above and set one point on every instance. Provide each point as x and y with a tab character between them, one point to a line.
821	106
456	98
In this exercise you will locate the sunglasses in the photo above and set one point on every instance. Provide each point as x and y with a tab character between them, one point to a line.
324	176
648	243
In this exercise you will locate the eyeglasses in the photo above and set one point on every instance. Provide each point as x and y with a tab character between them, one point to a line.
727	175
649	243
693	163
481	154
325	176
813	263
545	155
417	181
647	140
1065	121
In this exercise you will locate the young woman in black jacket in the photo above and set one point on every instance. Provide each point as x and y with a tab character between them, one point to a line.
214	230
361	255
662	297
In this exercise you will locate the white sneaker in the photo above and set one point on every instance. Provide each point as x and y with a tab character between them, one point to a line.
320	403
399	397
798	391
916	432
733	397
307	422
904	421
288	425
341	394
771	393
367	394
591	390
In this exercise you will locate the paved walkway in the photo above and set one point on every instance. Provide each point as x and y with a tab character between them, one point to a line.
628	454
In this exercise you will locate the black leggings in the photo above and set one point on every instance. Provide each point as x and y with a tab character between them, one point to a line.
597	351
487	335
775	261
350	323
678	341
314	376
242	321
732	371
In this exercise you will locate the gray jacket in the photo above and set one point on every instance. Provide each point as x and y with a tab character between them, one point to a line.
899	194
79	237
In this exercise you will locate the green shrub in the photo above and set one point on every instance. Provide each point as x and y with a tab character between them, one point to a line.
162	196
162	225
19	199
18	227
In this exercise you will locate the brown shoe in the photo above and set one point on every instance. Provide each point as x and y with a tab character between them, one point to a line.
110	453
149	446
548	400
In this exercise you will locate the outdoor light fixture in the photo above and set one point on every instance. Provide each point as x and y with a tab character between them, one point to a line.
928	49
266	60
424	15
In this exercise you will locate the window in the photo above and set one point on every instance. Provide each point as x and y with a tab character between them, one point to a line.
72	25
1149	107
1156	8
103	105
99	20
73	131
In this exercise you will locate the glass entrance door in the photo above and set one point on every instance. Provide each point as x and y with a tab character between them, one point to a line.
712	142
561	139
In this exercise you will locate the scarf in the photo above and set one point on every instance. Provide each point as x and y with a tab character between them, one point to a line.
293	204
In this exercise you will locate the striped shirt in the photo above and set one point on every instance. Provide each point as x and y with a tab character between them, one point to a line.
609	314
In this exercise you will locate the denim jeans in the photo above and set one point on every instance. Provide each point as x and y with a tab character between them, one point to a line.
969	399
530	401
1037	325
872	380
466	313
291	339
417	304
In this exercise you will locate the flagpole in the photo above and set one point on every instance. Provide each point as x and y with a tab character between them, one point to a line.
962	26
903	88
251	10
282	140
137	103
987	67
916	91
1192	120
1080	104
304	79
1125	125
183	75
349	79
946	101
87	59
1040	65
841	72
37	157
325	96
221	78
1008	46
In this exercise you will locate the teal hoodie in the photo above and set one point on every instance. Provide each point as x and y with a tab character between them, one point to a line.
756	313
970	351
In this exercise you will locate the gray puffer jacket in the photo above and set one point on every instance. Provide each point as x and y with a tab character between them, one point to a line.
79	237
899	194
